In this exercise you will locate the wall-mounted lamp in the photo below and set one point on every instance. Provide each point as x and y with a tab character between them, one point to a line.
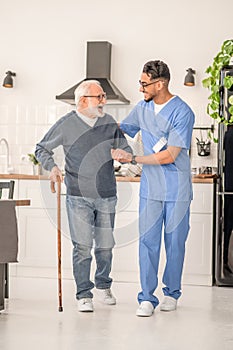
8	81
189	78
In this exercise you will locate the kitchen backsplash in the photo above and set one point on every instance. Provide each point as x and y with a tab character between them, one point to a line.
24	126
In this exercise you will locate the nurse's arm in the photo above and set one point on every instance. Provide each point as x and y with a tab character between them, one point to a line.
163	157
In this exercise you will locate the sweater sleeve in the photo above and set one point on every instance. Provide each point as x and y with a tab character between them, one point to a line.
44	149
121	142
130	125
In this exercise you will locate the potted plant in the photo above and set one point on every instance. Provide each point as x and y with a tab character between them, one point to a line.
212	82
36	165
220	107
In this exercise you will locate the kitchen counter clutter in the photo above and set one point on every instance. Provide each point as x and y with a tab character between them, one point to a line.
37	231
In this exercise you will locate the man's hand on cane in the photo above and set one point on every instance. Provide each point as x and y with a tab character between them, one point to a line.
55	174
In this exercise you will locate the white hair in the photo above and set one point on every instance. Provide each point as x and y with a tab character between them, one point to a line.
83	89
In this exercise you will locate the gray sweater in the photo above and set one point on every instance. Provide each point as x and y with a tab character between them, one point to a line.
89	170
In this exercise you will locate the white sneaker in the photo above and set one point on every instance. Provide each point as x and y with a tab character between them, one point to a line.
85	305
106	296
145	309
168	304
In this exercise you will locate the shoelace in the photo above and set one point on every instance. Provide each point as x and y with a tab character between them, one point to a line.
86	301
108	293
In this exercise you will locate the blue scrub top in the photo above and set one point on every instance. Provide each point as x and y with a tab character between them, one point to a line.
168	182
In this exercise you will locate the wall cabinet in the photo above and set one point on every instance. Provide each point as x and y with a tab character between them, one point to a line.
38	234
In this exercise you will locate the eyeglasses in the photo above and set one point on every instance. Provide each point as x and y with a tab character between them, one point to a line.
100	97
144	84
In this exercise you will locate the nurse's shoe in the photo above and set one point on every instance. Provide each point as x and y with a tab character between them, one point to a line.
168	304
145	309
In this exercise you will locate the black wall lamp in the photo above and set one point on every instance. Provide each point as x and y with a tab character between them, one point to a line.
8	81
189	78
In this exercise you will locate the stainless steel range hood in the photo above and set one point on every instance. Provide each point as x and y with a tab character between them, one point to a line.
99	68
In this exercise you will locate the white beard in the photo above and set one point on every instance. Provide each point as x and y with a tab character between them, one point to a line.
96	111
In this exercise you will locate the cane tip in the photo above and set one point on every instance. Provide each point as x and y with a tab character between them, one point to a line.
60	309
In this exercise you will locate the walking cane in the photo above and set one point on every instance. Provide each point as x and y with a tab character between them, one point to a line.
52	185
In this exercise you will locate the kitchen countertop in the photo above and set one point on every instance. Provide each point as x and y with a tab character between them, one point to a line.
18	202
202	178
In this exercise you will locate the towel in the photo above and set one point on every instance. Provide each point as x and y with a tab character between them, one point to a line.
8	232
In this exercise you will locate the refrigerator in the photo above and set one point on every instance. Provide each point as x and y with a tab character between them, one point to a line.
224	191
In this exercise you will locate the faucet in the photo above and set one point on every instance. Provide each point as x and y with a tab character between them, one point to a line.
7	153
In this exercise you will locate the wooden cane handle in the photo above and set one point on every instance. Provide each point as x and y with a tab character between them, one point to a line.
52	187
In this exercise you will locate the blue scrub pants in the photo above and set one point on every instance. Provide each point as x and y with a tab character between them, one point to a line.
173	218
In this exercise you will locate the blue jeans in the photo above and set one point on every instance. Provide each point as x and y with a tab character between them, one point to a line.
155	216
91	220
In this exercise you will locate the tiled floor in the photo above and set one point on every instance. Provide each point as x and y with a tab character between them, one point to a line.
202	321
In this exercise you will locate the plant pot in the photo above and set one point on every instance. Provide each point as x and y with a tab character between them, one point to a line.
203	148
37	169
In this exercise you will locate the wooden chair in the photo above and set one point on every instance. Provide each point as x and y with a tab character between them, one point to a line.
9	187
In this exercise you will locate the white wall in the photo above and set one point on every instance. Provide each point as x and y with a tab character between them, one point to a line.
44	42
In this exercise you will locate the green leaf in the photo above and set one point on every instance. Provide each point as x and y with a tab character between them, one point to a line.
226	60
206	82
214	105
228	81
208	70
33	159
215	90
214	115
230	110
214	97
222	58
228	50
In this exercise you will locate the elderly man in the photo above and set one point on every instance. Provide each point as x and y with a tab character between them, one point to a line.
87	135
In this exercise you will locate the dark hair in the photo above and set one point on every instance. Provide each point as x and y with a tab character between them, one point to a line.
157	69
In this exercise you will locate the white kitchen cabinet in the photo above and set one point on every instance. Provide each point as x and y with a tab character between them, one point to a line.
199	247
198	264
38	234
125	262
37	225
198	267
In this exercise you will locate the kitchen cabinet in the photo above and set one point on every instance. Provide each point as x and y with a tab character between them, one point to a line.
38	234
198	267
125	263
198	264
